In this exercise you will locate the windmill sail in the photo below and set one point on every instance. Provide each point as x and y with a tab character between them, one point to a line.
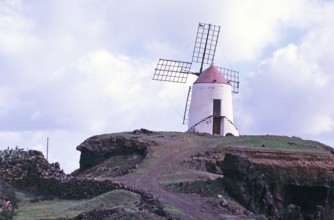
172	71
186	109
205	44
232	76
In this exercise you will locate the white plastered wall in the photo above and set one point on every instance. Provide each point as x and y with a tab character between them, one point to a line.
201	107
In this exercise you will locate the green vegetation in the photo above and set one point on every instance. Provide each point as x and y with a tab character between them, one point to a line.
113	199
173	211
7	215
178	177
206	188
277	143
13	154
53	209
49	209
7	192
267	142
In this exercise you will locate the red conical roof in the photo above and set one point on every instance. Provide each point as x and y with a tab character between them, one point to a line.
211	75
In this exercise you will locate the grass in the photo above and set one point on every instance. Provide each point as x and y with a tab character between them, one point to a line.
53	209
271	142
112	199
176	213
177	177
48	209
277	143
205	188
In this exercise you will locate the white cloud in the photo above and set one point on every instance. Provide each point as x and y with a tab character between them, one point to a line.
319	124
35	116
251	27
15	28
290	91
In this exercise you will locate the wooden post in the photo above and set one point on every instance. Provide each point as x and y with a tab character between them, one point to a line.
47	148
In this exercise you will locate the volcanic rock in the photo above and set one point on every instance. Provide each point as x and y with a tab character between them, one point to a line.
99	148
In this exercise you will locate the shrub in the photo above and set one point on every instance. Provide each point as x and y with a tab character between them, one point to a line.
8	200
8	192
13	154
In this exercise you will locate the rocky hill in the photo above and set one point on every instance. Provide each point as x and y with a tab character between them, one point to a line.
169	175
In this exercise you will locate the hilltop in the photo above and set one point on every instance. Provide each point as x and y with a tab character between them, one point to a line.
171	175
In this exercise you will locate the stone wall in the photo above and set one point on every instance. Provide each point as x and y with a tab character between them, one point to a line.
34	174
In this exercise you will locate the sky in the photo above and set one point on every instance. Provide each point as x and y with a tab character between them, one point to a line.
73	69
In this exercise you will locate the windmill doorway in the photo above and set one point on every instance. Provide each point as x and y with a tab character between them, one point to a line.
216	116
216	125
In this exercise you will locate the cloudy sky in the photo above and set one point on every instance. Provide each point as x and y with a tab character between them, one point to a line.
71	69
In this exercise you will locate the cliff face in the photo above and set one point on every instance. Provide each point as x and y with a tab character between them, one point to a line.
279	184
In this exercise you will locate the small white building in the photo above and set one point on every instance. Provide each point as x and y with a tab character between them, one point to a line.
211	109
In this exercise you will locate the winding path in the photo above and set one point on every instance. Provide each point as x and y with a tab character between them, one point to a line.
165	160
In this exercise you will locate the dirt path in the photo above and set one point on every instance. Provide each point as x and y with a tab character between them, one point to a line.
161	165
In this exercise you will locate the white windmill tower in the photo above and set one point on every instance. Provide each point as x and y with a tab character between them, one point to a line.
209	106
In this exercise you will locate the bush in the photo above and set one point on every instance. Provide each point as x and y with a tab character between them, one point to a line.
6	215
8	200
13	154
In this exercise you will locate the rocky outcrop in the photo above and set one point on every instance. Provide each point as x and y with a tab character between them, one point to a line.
248	186
279	189
100	148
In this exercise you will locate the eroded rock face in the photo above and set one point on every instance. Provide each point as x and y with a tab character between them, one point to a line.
279	191
248	186
99	148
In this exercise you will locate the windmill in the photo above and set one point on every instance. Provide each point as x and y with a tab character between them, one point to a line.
208	106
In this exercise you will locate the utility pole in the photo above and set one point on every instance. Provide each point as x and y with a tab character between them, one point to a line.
47	148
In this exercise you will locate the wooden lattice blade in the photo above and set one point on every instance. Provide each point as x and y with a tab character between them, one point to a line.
232	76
205	43
172	71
